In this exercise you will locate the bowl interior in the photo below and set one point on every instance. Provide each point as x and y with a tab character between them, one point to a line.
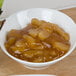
21	19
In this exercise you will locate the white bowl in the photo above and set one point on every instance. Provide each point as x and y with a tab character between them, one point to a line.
34	75
21	19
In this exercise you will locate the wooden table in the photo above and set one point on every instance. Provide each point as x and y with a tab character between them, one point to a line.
66	67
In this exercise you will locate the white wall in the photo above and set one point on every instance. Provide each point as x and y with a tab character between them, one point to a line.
11	6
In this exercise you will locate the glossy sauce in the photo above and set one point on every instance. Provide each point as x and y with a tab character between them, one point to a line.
40	41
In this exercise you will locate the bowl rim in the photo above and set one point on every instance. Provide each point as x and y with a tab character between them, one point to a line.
34	75
49	62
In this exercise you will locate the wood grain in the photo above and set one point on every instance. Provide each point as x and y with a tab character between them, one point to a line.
66	67
70	12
